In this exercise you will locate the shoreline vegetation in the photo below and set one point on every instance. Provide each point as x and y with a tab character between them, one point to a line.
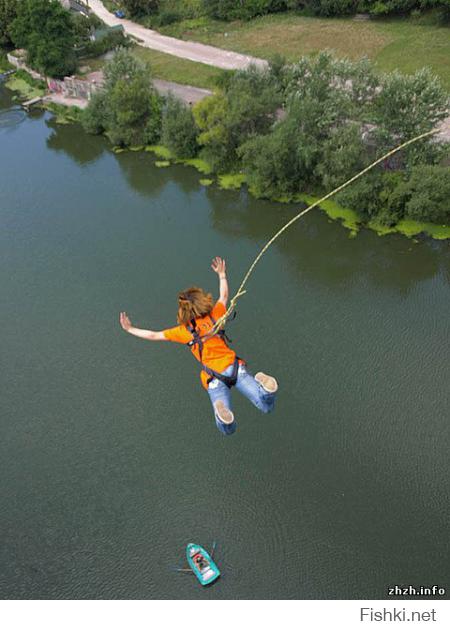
25	87
290	131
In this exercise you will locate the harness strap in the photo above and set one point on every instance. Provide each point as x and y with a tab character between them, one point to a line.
229	381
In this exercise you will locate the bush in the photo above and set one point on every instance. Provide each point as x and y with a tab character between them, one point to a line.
329	8
364	195
179	131
238	10
139	8
93	117
114	39
428	194
423	194
165	18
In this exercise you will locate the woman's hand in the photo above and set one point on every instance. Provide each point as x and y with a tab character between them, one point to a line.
218	265
125	321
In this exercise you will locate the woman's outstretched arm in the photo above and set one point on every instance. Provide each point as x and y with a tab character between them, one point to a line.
219	266
150	335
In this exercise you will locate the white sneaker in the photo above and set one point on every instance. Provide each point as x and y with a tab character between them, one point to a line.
268	383
224	414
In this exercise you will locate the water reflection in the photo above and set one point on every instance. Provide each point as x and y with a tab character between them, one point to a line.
72	140
319	250
316	248
11	114
137	166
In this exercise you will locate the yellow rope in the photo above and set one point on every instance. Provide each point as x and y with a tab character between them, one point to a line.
221	321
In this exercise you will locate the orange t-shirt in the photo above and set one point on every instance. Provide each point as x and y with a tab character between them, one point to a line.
216	354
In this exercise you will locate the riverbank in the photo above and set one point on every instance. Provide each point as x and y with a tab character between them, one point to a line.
348	218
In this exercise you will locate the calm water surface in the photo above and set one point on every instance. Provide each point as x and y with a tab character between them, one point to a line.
110	459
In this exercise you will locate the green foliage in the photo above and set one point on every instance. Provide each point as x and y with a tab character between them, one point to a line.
364	195
248	9
423	194
247	107
332	7
83	26
271	163
427	194
128	109
139	8
342	155
8	13
94	116
4	63
179	132
114	39
239	10
324	139
34	83
406	106
47	32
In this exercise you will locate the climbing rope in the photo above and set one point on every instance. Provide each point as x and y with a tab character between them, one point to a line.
221	321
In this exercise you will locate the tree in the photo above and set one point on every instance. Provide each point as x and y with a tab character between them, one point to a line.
8	13
428	189
128	109
45	29
363	196
407	106
138	8
270	162
132	105
342	155
179	131
247	107
93	117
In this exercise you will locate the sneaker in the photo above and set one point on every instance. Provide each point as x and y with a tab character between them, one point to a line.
268	383
224	414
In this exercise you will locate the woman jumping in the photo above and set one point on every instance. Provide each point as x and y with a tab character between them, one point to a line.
221	368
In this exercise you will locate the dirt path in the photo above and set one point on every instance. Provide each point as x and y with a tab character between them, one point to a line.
194	51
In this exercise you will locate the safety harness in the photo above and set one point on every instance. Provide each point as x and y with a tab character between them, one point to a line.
197	339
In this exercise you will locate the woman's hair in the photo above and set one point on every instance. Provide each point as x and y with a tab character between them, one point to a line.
193	303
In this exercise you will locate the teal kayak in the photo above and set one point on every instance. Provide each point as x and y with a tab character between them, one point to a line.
202	565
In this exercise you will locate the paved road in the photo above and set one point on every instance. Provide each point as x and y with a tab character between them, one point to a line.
187	50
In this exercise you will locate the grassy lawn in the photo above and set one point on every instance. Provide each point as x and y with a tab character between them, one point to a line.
166	67
178	70
406	44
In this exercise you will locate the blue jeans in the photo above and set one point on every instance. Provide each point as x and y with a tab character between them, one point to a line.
247	385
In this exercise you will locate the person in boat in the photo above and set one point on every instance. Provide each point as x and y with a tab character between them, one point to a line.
221	368
200	561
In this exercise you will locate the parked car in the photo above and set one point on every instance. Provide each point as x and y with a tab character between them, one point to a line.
119	13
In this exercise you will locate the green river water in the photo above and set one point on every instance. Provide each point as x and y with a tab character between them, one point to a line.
110	459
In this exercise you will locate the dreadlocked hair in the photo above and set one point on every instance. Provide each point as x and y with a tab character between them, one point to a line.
193	303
